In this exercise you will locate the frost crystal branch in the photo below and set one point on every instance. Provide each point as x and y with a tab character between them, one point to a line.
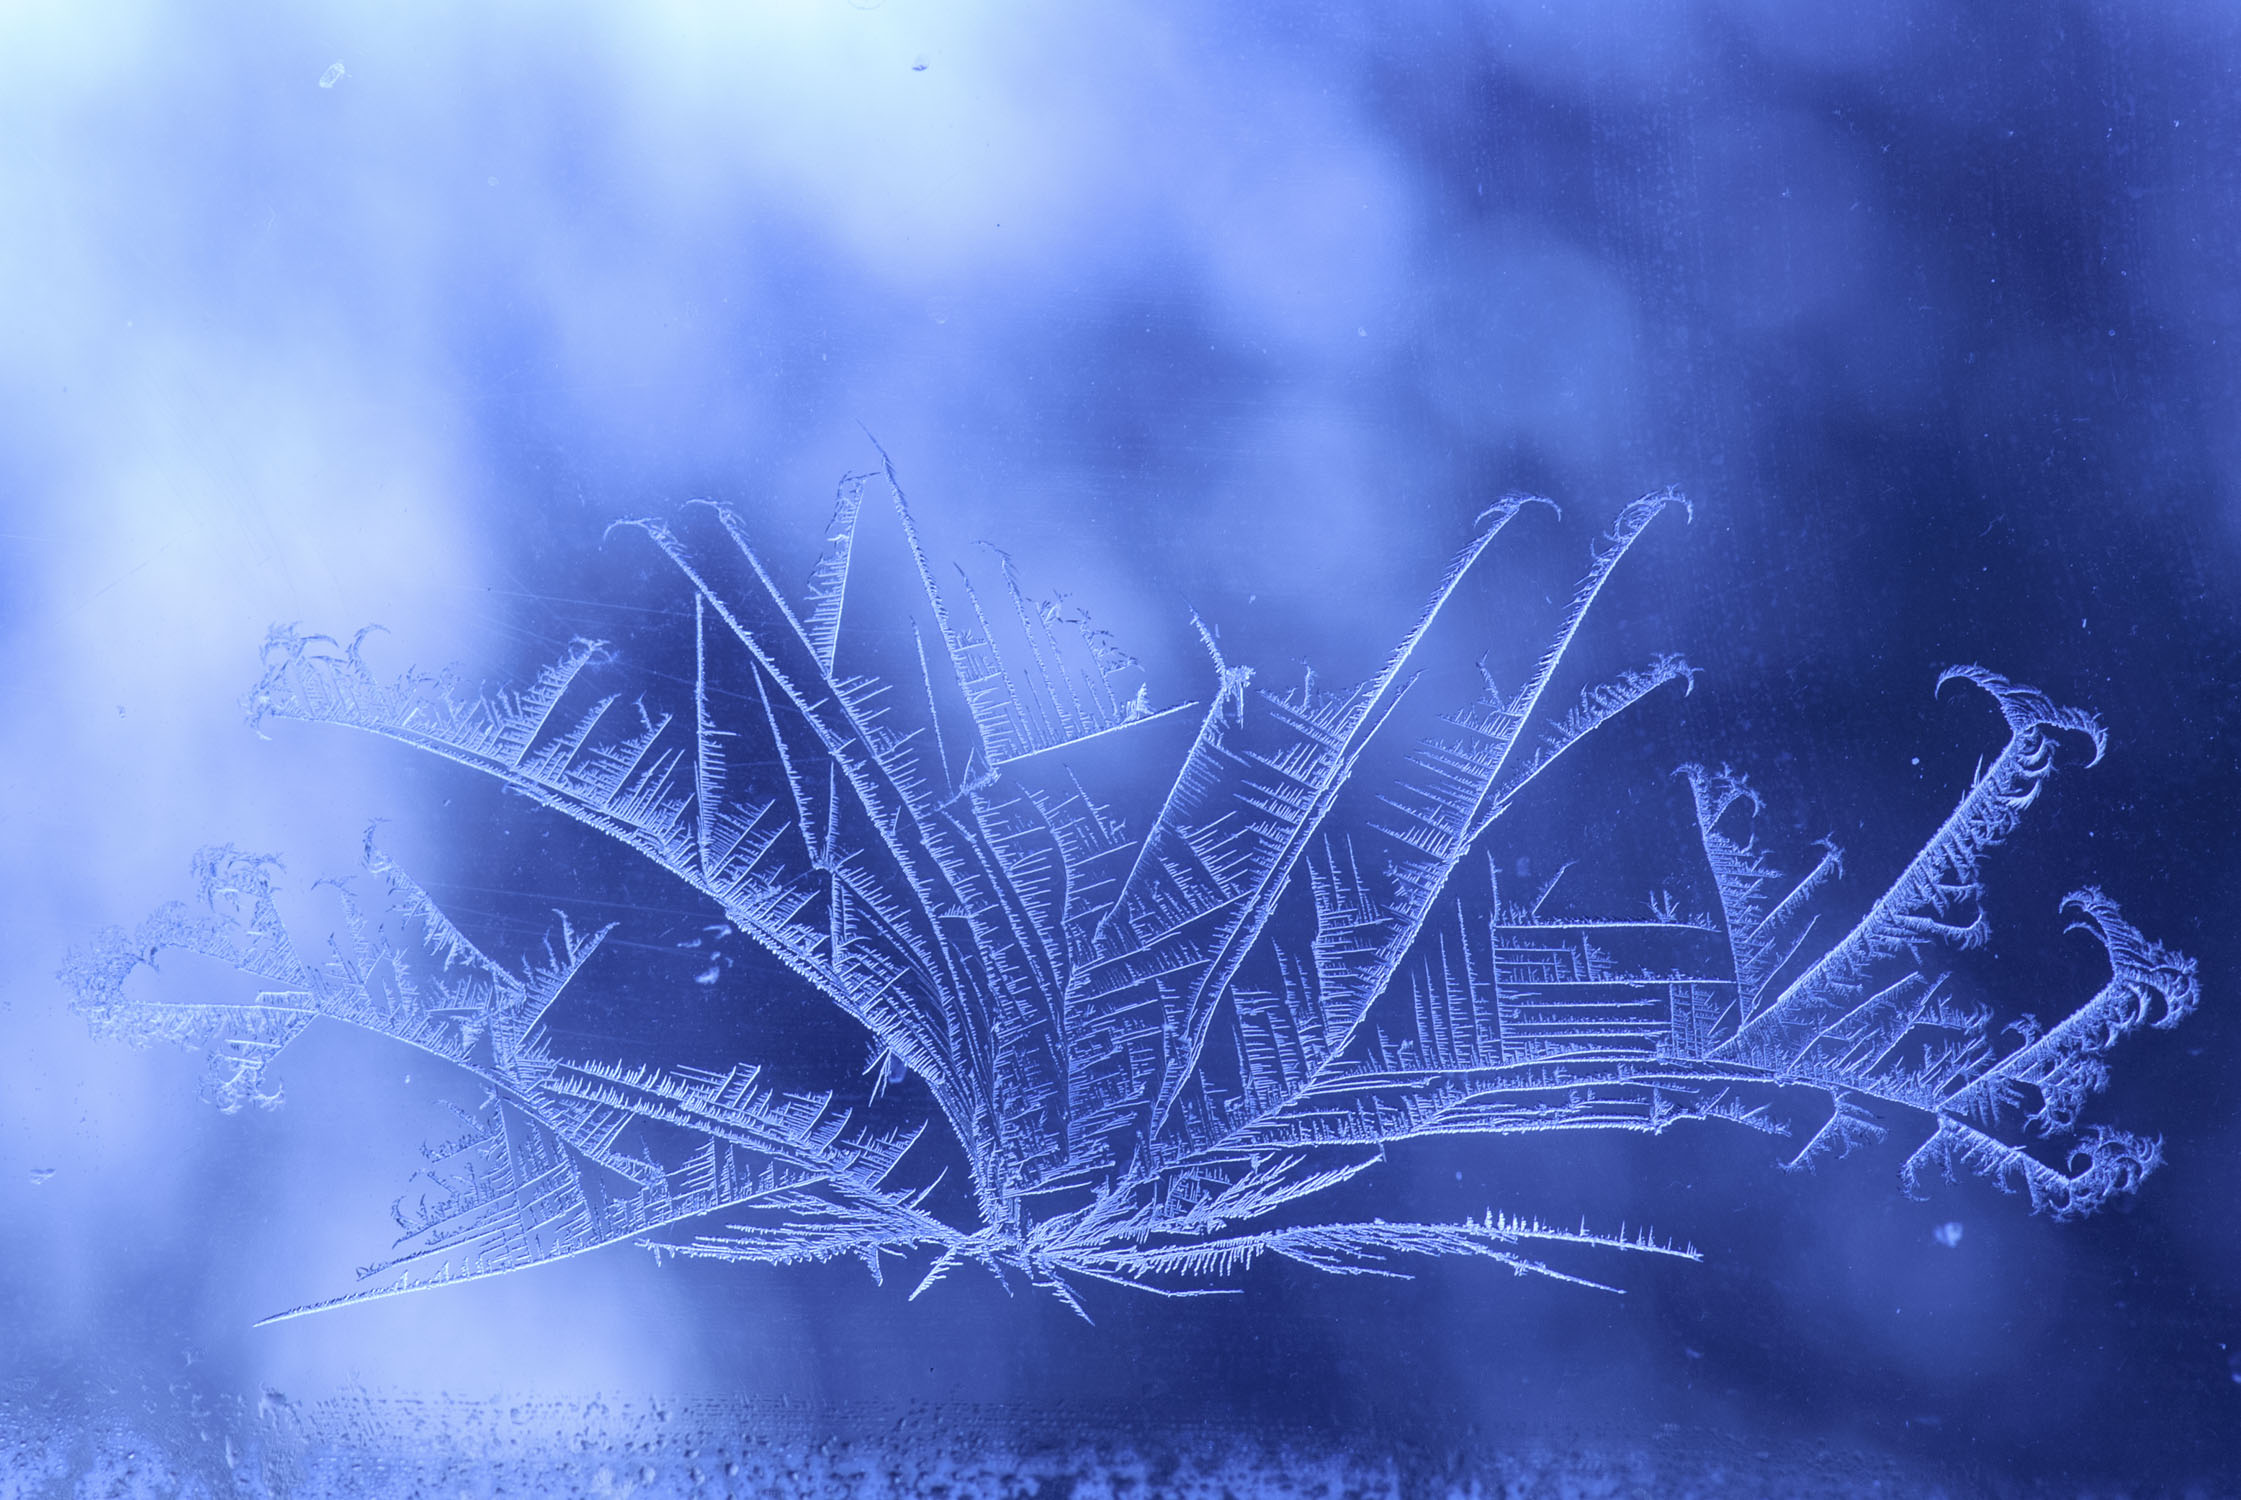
1154	1033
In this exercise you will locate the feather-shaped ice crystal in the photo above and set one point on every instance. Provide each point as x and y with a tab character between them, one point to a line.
1156	1031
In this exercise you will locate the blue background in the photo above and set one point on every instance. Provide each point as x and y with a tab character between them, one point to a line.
1932	310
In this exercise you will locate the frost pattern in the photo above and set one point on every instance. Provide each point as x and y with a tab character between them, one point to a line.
1154	1033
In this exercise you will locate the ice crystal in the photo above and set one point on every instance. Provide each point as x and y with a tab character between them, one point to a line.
1155	1033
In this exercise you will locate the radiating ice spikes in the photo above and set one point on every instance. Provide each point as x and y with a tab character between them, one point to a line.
1158	1020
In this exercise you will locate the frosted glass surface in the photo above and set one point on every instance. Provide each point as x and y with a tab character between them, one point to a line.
972	731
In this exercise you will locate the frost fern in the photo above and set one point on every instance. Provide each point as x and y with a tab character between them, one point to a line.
1155	1033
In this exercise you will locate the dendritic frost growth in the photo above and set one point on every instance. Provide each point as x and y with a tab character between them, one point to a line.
1154	1027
